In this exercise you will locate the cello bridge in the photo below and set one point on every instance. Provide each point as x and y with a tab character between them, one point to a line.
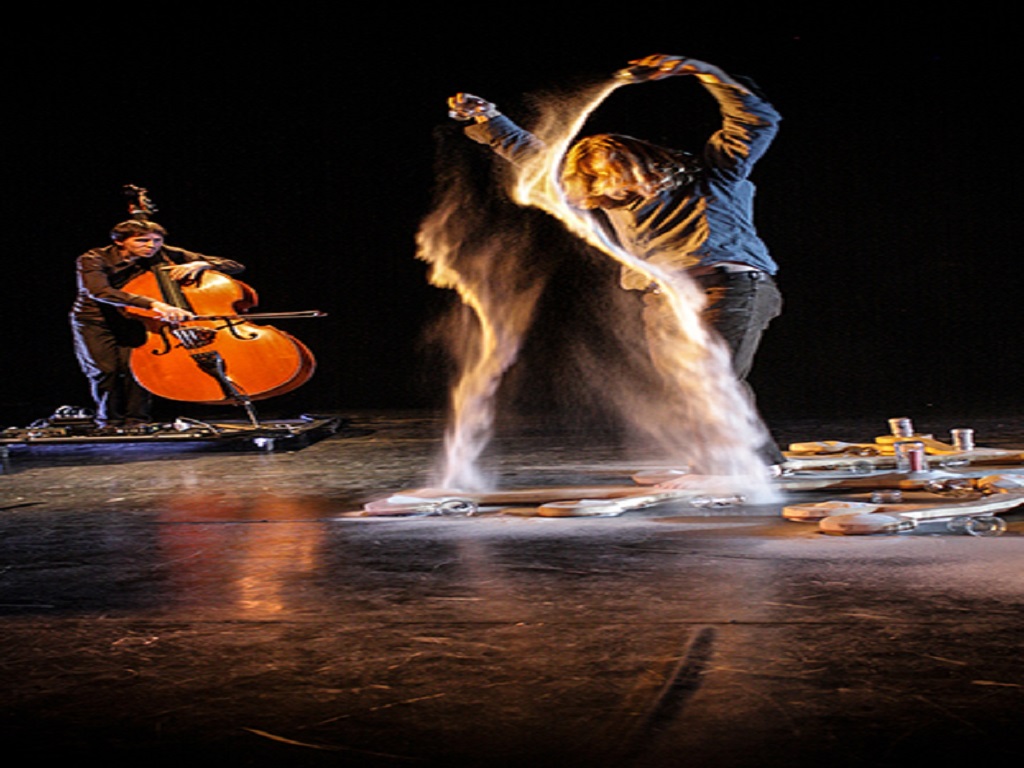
196	337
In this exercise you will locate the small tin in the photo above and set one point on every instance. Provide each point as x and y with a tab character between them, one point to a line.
901	427
963	439
886	497
910	456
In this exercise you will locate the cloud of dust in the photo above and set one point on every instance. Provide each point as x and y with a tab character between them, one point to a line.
692	413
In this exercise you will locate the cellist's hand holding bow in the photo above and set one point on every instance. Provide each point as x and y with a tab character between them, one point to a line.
170	313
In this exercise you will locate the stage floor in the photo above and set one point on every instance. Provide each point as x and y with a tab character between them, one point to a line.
175	604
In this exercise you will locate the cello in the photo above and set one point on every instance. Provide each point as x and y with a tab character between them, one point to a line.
217	356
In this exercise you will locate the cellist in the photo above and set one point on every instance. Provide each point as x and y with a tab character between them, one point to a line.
104	336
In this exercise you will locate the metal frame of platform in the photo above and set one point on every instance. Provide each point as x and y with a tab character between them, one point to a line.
265	436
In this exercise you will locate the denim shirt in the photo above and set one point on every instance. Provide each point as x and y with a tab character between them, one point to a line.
704	223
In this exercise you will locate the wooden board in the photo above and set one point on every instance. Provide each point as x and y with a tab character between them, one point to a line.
854	515
559	501
610	500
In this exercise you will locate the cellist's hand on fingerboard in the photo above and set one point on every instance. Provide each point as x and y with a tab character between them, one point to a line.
187	272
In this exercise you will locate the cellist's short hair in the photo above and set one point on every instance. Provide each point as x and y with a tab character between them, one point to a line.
134	228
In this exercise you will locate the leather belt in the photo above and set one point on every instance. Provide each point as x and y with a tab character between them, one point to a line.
720	272
722	267
751	275
729	271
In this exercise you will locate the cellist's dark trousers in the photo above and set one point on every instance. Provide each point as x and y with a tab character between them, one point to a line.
104	349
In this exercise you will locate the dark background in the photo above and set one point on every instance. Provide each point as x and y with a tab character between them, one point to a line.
304	145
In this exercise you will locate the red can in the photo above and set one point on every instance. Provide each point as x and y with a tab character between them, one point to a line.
910	456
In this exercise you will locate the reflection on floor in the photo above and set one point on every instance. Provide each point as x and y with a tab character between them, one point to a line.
168	604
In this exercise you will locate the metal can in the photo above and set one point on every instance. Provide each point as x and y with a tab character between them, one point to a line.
886	497
901	427
963	439
910	456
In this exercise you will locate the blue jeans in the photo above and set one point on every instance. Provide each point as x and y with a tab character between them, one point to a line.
740	307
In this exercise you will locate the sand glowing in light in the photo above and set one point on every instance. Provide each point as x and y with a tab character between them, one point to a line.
699	416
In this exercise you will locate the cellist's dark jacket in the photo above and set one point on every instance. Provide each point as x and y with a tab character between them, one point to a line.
102	274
